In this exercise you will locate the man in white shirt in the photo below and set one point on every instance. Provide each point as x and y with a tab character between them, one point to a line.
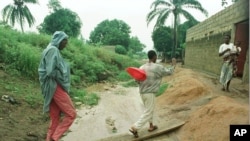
148	88
225	52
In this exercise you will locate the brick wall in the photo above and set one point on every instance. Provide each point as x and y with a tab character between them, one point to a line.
204	39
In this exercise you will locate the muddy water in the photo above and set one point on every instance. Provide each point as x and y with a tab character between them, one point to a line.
122	104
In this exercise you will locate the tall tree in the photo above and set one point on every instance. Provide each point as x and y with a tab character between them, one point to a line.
163	9
111	32
182	30
19	12
62	19
135	45
163	40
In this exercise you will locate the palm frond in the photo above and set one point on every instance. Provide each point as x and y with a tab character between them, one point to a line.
28	16
6	12
163	18
158	3
21	18
151	15
161	13
31	1
194	4
13	16
187	15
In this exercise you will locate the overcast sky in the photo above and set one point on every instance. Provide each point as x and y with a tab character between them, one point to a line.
132	12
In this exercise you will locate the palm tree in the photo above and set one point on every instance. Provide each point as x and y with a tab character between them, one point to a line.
224	3
163	9
18	12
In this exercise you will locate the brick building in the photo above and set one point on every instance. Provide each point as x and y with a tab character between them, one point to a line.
204	39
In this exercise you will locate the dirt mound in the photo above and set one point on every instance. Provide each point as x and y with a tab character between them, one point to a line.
212	121
197	99
184	87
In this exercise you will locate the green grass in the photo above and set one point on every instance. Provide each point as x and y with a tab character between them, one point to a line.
162	89
20	55
85	97
26	90
123	76
22	89
133	83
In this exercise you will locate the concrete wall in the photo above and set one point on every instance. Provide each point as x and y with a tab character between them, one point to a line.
204	39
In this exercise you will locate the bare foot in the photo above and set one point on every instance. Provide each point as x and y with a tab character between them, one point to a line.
152	128
134	132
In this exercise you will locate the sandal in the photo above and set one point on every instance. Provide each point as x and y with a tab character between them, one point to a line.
134	133
152	129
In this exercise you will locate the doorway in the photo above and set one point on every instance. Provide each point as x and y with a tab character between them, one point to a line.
242	35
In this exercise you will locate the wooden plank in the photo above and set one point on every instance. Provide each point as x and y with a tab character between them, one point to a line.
158	132
144	134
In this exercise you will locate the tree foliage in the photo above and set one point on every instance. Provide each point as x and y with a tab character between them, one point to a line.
135	45
64	20
19	12
111	32
182	30
162	38
54	5
163	9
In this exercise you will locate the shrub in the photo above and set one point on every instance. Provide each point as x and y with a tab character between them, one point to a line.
120	50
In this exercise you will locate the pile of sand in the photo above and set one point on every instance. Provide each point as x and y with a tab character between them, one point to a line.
208	121
212	121
183	88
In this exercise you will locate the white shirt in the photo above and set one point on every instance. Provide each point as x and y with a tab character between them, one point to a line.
224	46
154	73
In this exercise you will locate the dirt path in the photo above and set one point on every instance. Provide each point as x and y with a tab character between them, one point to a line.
193	97
121	104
